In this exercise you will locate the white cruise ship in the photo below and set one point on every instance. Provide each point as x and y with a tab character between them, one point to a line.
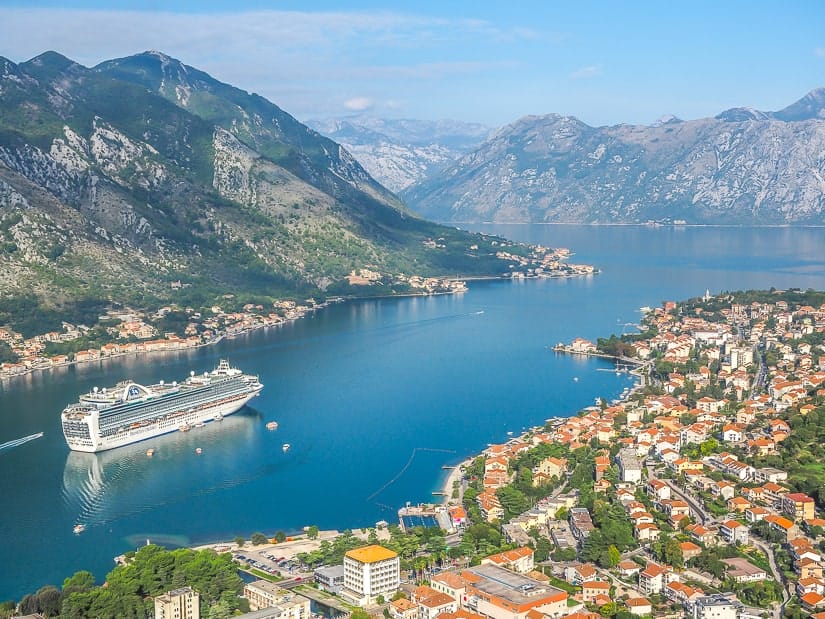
127	413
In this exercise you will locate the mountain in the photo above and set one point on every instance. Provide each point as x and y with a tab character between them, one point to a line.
401	152
143	180
741	167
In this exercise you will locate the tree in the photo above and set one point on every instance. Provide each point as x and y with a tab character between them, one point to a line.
280	536
259	538
79	581
312	532
614	556
513	501
360	613
240	541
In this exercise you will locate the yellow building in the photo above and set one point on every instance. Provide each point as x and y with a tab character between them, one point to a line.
369	572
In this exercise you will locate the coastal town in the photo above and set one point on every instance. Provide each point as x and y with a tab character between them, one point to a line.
127	331
699	493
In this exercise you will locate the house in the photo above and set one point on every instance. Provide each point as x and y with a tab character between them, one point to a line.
658	490
681	593
733	532
654	578
639	606
690	550
519	559
716	607
628	568
450	583
579	574
592	589
702	534
798	506
787	527
458	516
755	514
645	533
812	601
580	522
738	504
732	433
723	489
403	609
808	568
432	606
742	571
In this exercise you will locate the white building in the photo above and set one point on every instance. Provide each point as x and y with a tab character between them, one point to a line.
629	466
715	607
183	603
283	603
369	572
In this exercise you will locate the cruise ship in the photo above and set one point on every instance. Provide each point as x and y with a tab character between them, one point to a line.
127	413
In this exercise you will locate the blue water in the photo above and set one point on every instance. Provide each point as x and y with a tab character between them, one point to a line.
374	398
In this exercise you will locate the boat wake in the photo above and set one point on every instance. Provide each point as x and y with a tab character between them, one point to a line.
20	441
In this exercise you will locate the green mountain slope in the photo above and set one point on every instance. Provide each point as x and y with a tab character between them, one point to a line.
143	179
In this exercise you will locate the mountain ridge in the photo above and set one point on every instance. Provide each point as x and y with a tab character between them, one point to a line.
742	166
120	180
401	152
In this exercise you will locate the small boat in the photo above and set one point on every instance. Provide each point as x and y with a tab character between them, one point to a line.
272	425
218	417
198	450
184	428
575	379
79	528
200	424
150	452
286	447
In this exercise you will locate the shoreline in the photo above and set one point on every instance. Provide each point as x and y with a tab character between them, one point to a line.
311	310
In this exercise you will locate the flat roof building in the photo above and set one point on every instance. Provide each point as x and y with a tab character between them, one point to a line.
263	594
183	603
502	594
330	578
370	571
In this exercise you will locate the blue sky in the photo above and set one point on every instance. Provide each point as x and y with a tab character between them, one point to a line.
489	62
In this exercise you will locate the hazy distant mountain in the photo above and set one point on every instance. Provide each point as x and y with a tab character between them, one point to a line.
743	166
401	152
144	179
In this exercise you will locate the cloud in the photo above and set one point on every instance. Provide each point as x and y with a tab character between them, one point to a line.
358	104
819	52
306	62
587	72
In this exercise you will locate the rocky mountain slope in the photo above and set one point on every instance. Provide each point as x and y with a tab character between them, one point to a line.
741	167
144	179
401	152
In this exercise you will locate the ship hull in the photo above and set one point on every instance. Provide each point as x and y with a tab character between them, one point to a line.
129	413
161	427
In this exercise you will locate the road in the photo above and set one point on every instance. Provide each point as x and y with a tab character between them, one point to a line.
695	506
777	575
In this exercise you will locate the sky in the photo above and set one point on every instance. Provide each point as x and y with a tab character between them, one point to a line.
490	62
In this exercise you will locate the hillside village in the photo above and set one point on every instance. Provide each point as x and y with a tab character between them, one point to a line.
125	330
699	494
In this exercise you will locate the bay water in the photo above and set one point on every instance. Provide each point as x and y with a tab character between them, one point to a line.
374	397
